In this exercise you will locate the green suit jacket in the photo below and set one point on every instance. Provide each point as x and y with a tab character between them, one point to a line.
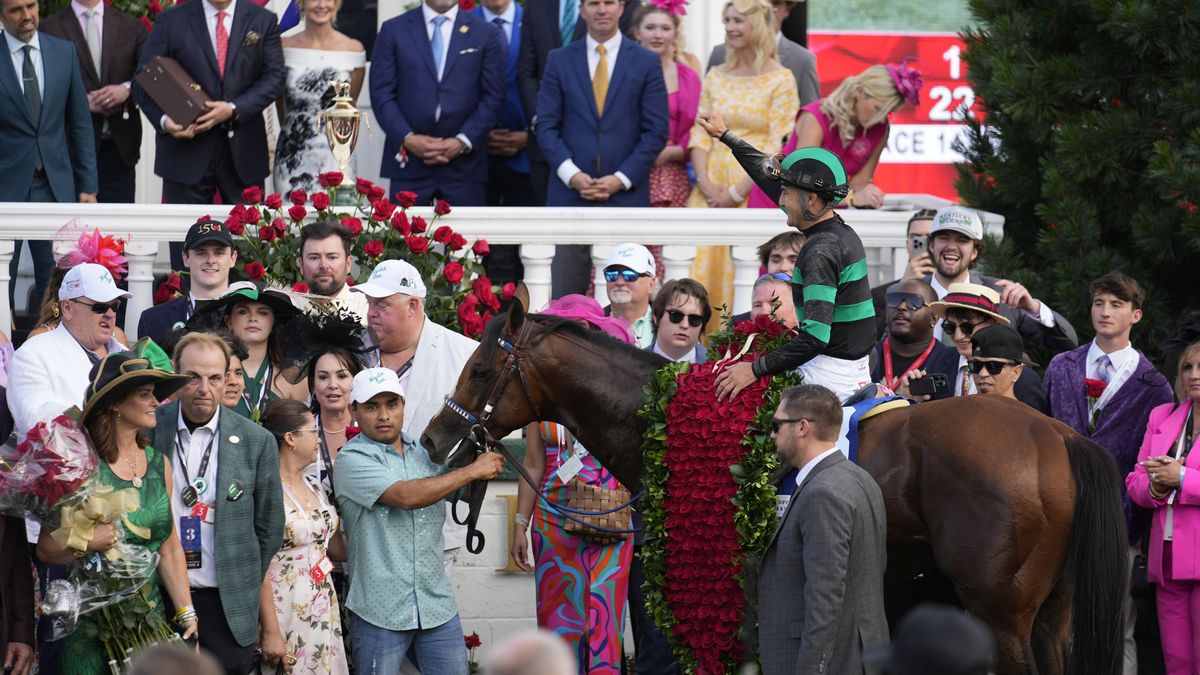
249	529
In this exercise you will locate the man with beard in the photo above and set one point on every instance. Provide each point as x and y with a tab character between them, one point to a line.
920	264
629	274
909	349
325	266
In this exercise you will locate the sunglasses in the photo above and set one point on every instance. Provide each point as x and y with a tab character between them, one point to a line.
99	307
676	316
913	301
778	422
626	275
782	276
993	367
966	327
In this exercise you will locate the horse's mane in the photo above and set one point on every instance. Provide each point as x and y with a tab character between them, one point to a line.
556	324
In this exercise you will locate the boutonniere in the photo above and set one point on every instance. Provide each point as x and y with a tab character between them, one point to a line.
1094	389
252	38
352	431
463	29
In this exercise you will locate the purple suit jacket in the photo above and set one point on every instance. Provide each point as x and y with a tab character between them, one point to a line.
1162	432
1122	422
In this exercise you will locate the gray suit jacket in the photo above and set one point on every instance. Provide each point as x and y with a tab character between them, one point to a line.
795	58
820	589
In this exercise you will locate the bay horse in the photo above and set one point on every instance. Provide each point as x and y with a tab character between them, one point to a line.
1019	512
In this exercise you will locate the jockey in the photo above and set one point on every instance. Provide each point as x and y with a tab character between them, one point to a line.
829	283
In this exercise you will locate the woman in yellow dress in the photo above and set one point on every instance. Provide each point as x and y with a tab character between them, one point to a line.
758	99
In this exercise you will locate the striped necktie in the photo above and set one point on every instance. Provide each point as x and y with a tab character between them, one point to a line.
566	21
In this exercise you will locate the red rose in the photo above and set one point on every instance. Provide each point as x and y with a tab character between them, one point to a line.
300	287
252	194
472	640
417	244
350	282
373	248
147	23
168	289
400	223
482	288
297	212
330	179
406	199
466	5
255	270
469	320
363	186
480	283
251	216
441	207
418	224
273	201
267	233
383	209
298	197
508	291
457	242
453	272
235	228
763	323
443	234
481	248
376	194
352	225
352	430
320	201
1095	388
281	226
204	217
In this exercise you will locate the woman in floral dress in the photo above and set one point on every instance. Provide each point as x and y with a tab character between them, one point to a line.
299	613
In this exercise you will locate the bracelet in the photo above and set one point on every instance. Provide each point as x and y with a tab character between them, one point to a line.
521	520
734	193
186	609
1155	493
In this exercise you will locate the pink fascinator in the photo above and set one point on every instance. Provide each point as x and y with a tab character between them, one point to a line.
582	308
908	82
93	247
672	7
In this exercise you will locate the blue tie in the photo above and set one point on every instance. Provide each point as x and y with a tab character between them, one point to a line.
499	23
438	44
566	23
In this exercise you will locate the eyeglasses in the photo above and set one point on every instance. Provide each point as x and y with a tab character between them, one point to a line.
782	276
676	316
993	367
913	301
313	429
778	422
626	275
99	307
965	326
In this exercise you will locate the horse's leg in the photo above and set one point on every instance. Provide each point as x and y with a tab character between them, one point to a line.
1050	630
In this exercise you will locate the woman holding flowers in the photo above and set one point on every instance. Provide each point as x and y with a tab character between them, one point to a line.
121	401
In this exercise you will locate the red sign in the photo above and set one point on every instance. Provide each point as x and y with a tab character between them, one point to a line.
920	154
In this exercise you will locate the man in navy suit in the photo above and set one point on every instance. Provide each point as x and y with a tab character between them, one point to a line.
508	174
45	125
208	254
226	148
437	86
602	120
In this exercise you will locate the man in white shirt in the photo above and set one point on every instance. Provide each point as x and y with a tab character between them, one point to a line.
629	276
680	311
325	266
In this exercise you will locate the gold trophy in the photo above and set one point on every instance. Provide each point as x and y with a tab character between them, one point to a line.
342	122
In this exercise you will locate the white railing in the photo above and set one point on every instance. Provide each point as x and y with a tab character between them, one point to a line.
536	230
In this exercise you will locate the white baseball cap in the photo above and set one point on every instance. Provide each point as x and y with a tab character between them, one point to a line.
634	256
371	382
91	281
390	277
957	219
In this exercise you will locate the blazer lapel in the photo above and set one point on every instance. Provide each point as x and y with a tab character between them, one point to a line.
459	36
199	25
424	361
821	466
1078	374
420	41
619	71
108	44
237	33
514	44
10	79
225	471
56	79
1164	442
583	76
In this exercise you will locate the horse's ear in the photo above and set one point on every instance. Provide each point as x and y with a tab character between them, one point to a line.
522	295
516	310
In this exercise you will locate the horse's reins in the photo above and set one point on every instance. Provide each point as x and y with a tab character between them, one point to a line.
482	439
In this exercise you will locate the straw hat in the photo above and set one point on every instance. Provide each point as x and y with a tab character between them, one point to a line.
975	297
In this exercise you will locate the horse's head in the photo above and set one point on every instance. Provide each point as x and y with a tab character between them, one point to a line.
492	396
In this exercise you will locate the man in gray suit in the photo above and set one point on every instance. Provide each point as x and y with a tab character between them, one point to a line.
820	590
794	57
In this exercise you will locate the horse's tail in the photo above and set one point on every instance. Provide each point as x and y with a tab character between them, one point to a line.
1097	562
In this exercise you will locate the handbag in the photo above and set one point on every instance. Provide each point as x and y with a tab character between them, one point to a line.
1139	583
583	496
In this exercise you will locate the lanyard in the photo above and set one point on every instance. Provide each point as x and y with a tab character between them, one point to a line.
401	371
182	457
894	382
326	459
264	388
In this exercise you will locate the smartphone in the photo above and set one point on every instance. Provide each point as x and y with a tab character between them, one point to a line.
918	245
932	384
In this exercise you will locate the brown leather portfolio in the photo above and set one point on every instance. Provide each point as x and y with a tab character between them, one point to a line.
172	89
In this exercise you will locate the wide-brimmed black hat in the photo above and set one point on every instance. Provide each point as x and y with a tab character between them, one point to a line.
211	315
120	373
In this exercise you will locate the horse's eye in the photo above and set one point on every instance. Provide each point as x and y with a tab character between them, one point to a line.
479	373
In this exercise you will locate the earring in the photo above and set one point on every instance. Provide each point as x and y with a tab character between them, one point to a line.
54	311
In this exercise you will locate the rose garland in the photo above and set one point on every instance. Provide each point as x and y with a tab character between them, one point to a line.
709	504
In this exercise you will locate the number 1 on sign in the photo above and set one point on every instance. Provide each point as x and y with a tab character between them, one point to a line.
952	55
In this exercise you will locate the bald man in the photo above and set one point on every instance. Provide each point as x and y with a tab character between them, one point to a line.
908	351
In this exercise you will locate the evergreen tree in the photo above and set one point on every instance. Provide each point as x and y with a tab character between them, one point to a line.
1090	149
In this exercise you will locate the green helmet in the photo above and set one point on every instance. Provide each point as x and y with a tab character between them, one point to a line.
815	170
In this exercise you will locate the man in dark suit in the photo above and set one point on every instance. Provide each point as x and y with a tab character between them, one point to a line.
820	588
208	254
227	497
437	86
45	126
602	120
793	56
16	598
231	49
108	44
547	25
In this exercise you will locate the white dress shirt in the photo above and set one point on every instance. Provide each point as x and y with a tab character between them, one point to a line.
509	16
190	449
689	357
16	50
812	464
1124	362
958	379
446	30
611	47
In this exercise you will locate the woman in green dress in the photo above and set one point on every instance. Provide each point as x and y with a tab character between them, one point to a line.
121	399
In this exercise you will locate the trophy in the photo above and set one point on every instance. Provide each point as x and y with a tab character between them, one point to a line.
342	122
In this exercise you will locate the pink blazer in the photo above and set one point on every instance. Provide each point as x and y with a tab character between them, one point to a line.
1162	432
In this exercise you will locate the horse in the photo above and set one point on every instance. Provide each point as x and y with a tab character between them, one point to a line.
1020	513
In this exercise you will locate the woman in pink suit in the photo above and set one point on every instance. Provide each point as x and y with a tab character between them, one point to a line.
1167	480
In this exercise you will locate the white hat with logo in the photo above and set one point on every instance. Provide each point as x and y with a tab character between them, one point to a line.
634	256
91	281
955	218
369	383
390	277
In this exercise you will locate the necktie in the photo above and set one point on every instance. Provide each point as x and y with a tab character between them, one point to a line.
438	43
966	381
222	42
600	80
566	22
1104	368
499	23
93	36
33	96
